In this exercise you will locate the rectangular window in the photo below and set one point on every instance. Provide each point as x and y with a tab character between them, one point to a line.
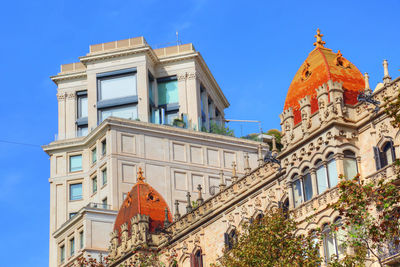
117	95
62	253
104	176
332	173
350	168
82	130
72	246
125	112
167	91
75	163
72	214
167	101
117	86
322	180
103	147
307	187
82	115
75	191
94	155
104	202
94	184
81	239
298	194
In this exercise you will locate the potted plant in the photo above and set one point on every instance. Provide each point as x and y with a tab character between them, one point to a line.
179	123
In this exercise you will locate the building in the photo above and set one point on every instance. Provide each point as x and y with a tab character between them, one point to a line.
326	132
123	106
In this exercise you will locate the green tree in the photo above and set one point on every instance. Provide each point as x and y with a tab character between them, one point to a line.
272	241
370	215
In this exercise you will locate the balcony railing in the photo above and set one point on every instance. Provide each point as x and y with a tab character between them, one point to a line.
99	206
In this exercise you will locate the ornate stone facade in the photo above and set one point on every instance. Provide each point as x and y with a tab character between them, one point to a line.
338	137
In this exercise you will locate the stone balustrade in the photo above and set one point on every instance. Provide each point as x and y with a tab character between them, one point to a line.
236	191
316	204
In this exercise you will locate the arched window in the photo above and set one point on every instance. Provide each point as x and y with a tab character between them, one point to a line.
230	239
349	164
384	155
333	241
302	187
197	260
327	176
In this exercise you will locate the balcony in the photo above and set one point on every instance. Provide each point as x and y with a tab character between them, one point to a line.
316	204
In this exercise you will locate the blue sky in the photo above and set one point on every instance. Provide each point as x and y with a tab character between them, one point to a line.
253	48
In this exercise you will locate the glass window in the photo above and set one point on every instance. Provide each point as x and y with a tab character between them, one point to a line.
168	92
171	116
72	214
62	253
230	239
387	154
75	191
125	112
104	147
75	163
82	130
94	155
307	187
94	184
322	179
297	191
198	259
82	105
350	167
340	237
104	176
81	239
72	246
329	243
332	173
117	87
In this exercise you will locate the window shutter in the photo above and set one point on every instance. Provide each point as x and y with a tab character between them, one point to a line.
377	157
226	239
393	151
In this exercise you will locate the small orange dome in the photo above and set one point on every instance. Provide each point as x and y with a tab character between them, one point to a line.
321	65
145	200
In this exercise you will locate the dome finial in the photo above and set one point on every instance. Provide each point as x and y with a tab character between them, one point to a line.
319	43
140	177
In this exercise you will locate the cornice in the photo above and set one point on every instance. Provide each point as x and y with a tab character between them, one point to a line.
68	76
165	130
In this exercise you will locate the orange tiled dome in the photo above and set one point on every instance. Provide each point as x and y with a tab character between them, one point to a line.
321	65
143	199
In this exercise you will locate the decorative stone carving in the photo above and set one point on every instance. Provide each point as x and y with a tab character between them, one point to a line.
71	96
383	129
61	96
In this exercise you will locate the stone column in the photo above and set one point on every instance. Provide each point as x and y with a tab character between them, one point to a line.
289	186
142	82
61	115
367	87
359	170
193	100
339	163
313	172
182	93
70	111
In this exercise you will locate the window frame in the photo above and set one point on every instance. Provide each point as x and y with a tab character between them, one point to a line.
70	191
104	170
69	163
103	147
72	246
349	154
306	173
62	252
94	184
81	239
117	102
81	122
93	154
